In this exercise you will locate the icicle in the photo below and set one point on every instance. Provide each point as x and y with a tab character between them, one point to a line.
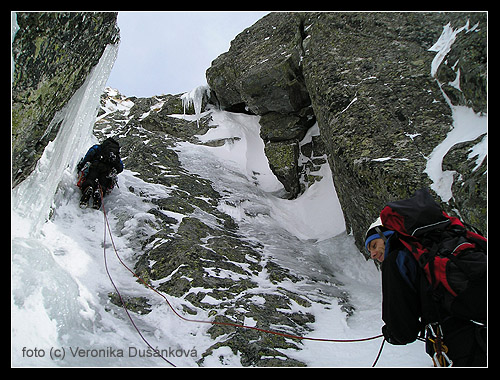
195	98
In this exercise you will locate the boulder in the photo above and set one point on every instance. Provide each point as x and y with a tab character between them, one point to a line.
261	70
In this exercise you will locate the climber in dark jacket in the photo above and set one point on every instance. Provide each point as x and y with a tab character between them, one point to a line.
408	306
100	166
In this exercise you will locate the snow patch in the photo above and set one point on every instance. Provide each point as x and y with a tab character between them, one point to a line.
467	125
316	214
443	45
243	147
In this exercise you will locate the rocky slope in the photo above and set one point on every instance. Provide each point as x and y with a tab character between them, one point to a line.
53	54
366	78
198	253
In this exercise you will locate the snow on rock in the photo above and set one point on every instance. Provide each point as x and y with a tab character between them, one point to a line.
115	102
243	147
60	288
443	45
467	125
316	214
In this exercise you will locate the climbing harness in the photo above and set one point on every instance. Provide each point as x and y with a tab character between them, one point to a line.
237	325
434	335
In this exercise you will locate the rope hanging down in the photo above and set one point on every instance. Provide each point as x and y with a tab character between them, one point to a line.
107	227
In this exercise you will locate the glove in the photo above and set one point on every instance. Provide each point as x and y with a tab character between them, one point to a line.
389	337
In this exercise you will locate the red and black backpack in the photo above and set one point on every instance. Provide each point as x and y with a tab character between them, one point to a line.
452	257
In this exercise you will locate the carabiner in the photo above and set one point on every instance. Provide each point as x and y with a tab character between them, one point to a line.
444	361
435	336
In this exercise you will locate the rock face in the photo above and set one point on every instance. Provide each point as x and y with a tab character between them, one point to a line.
366	79
53	54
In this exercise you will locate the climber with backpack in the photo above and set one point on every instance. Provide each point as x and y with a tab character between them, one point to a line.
98	172
434	280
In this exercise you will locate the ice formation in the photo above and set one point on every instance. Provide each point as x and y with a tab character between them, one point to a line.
195	98
32	199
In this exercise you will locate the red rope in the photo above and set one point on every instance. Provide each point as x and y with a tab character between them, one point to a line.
114	285
199	320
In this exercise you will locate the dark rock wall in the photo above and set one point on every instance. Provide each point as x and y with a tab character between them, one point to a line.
53	54
365	78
